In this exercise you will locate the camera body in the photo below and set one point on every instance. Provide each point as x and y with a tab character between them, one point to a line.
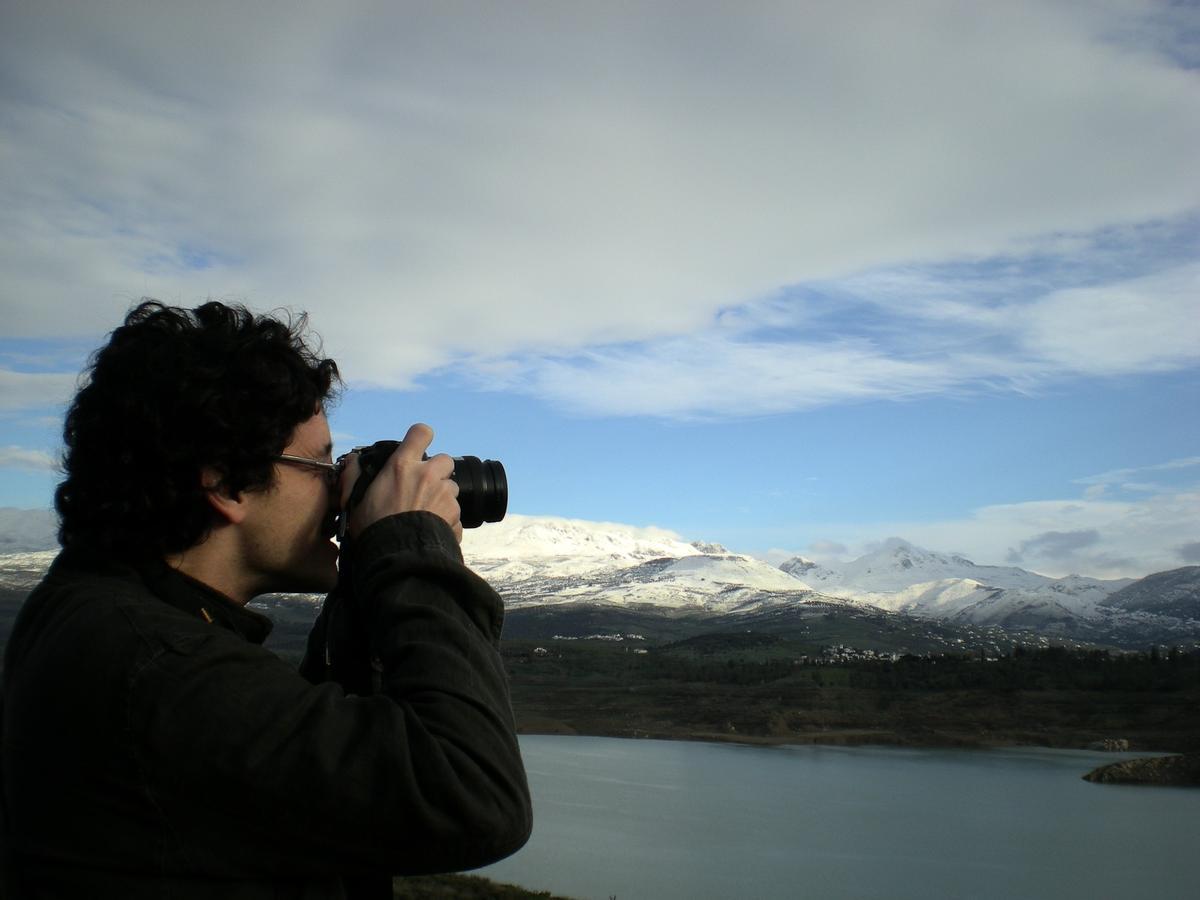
482	484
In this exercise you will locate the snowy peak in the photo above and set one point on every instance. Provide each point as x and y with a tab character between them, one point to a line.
545	560
897	565
548	560
902	577
807	570
552	560
734	569
729	583
521	545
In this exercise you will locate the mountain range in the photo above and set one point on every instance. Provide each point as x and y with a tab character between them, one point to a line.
547	561
25	530
544	562
901	577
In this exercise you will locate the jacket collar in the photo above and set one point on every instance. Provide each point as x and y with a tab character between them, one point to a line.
196	598
176	589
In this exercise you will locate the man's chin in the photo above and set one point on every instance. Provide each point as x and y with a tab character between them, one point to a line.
317	576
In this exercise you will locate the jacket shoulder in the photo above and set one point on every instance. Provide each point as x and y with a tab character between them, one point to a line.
69	606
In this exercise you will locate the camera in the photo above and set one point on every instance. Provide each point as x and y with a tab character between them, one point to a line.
482	484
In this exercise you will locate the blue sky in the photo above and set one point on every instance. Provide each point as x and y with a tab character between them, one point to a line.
791	278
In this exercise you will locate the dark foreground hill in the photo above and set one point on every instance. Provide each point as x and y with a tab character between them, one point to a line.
817	673
761	688
1174	593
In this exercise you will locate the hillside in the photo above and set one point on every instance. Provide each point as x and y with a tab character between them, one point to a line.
1174	593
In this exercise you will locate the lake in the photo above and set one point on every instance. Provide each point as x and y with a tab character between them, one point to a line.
664	819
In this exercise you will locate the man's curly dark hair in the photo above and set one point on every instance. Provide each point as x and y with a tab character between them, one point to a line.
174	391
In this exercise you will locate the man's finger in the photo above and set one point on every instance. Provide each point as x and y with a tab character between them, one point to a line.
442	465
416	441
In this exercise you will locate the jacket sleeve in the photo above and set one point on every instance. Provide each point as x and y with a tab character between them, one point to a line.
424	776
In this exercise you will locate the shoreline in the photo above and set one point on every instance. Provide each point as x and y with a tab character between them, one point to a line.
847	737
1166	768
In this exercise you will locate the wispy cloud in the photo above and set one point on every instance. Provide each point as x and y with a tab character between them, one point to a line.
1117	475
581	188
22	458
892	334
1100	538
1101	535
34	390
714	376
1144	479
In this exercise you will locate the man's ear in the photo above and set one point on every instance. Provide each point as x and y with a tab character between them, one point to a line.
230	508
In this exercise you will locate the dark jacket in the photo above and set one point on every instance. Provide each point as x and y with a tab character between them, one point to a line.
152	748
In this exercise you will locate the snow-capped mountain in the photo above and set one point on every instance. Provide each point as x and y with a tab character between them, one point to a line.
527	546
552	561
904	578
22	571
27	530
901	577
538	560
898	565
808	571
965	601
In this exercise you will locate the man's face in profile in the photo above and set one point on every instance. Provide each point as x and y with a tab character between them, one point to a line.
288	528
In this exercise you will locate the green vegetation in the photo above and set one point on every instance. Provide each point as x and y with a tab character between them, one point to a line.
764	688
778	677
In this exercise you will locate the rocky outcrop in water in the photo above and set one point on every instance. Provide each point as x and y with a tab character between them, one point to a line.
1178	771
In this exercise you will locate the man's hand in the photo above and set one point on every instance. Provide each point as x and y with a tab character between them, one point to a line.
406	483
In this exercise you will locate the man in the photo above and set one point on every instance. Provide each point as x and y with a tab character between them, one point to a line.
150	746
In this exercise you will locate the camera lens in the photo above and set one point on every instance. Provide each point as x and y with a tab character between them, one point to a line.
482	484
482	490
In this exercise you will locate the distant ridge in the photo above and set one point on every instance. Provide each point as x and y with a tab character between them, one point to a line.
902	577
1174	593
23	530
549	561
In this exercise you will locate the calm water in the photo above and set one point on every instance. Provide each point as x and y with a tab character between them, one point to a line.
663	819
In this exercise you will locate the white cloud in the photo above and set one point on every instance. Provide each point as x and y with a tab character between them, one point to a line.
1100	538
23	458
431	182
32	390
891	334
711	375
1115	475
1154	478
1144	324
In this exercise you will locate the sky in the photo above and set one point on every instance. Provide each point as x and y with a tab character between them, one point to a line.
793	278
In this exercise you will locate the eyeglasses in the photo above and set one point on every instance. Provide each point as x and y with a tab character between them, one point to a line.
331	470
